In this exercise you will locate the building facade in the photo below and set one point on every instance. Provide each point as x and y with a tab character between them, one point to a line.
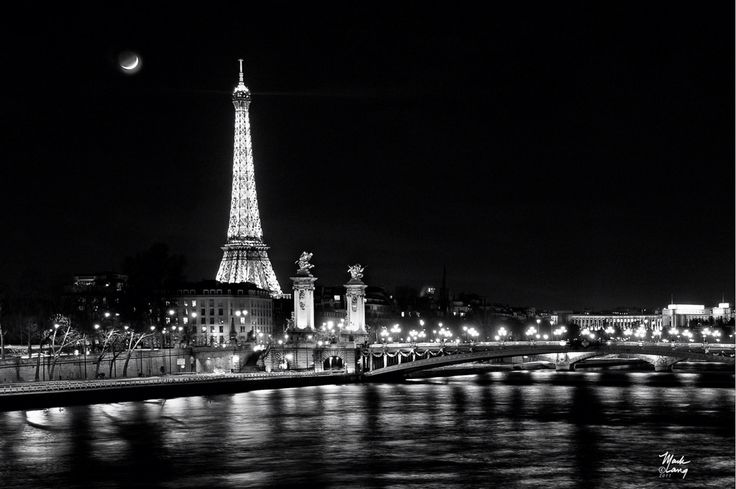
218	313
680	315
621	321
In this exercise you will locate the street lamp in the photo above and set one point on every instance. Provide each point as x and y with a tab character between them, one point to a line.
384	335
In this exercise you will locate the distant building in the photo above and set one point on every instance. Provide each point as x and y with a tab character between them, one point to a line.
96	297
378	304
225	313
680	315
724	312
616	320
329	305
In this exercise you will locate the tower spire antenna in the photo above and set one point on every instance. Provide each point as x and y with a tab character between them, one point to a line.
240	77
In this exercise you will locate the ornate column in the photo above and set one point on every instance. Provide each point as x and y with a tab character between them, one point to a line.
355	298
304	294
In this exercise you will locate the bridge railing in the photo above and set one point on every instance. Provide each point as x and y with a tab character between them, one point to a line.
711	346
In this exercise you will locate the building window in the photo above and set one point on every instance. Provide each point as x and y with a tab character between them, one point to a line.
194	303
205	292
212	320
222	339
240	291
222	329
219	312
242	329
212	329
204	311
201	320
212	311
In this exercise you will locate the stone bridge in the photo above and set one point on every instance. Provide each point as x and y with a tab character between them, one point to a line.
392	360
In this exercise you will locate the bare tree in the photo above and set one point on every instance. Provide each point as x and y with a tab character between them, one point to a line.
109	339
68	337
133	342
118	346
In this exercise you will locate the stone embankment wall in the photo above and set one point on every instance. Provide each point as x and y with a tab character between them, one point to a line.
143	362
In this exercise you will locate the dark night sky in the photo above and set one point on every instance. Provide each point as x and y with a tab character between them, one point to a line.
564	155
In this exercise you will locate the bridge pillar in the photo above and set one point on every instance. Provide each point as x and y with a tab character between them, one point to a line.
661	363
304	295
355	298
564	366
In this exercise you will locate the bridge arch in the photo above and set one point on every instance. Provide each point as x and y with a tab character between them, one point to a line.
564	356
333	363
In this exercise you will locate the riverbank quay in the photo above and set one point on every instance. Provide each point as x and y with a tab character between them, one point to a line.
40	395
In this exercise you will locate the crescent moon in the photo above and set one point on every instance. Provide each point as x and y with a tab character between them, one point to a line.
131	66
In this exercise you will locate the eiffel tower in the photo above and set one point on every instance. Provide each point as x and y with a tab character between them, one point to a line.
245	256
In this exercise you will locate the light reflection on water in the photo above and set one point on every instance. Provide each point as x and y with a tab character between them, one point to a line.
517	429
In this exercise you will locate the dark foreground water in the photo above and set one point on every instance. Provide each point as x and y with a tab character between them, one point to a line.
516	429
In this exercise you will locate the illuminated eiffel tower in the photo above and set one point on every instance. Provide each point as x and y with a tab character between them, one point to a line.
245	257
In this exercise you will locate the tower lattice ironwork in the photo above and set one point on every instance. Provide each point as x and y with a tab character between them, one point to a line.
245	257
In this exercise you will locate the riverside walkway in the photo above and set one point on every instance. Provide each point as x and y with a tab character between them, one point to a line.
36	395
73	385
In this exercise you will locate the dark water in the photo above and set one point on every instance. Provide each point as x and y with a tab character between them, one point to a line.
519	429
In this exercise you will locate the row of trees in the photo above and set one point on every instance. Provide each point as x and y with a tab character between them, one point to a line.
52	318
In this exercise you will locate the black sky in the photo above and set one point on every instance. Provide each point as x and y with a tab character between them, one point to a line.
566	155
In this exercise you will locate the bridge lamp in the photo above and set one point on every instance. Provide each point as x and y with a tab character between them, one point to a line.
537	336
97	326
496	338
281	342
421	322
546	337
107	314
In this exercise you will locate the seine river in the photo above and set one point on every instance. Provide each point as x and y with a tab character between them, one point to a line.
507	430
